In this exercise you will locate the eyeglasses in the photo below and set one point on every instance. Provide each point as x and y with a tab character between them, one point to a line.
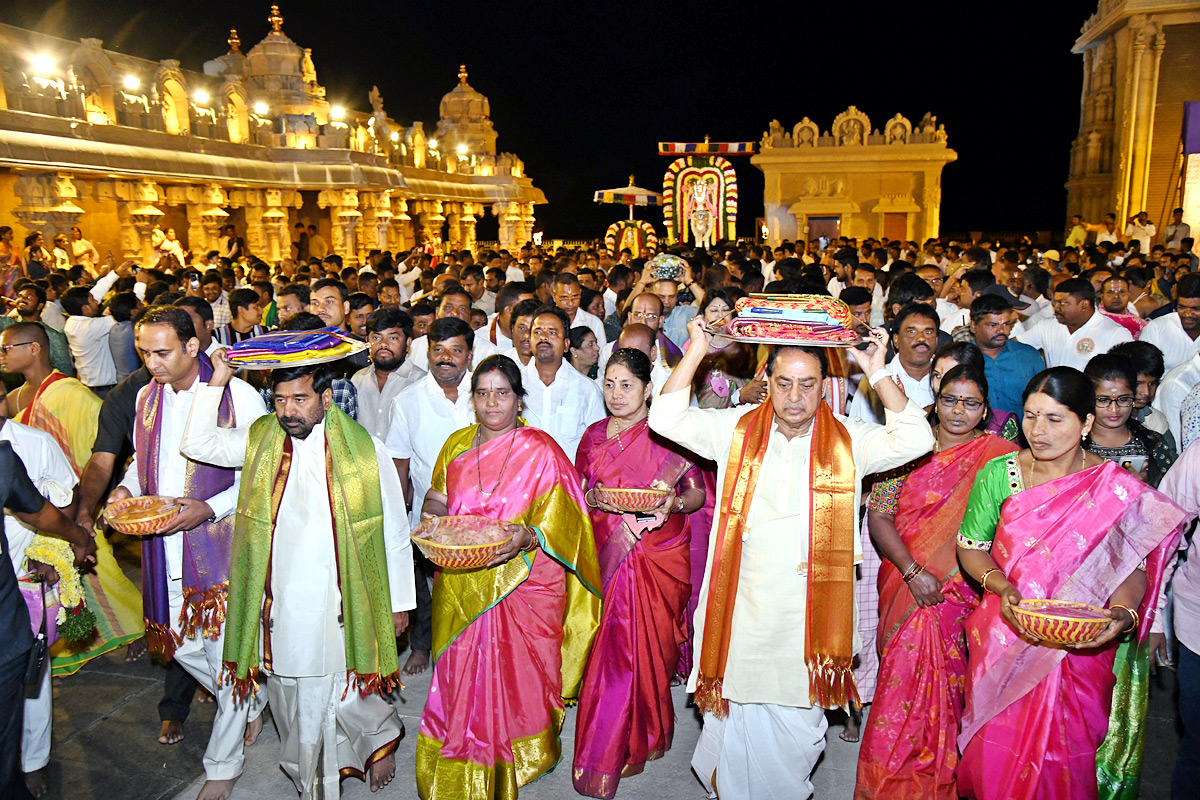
1124	401
4	348
949	401
641	315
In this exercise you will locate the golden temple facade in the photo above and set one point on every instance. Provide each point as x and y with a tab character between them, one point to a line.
120	146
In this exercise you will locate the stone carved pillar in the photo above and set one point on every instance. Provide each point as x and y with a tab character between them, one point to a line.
377	219
453	230
401	227
527	221
47	203
510	225
466	225
344	218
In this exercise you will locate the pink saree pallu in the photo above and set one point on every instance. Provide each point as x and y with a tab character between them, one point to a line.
509	642
909	749
625	713
1036	714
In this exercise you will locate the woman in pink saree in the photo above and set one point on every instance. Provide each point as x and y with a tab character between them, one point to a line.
909	749
1054	522
625	713
510	640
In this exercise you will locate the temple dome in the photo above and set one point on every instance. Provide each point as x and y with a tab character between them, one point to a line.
463	104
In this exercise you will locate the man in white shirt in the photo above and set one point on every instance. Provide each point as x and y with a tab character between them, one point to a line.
1173	390
970	284
388	332
87	332
1077	331
619	278
184	622
567	295
559	399
1107	231
1176	232
424	415
1177	335
338	496
51	473
472	280
1142	229
646	310
764	728
454	302
916	335
499	327
521	351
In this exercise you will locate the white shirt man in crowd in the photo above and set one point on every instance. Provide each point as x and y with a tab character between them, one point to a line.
772	733
916	339
388	333
499	327
1142	229
314	700
1177	334
87	332
567	295
1077	331
472	280
646	309
166	340
1173	390
558	398
424	415
1176	232
454	302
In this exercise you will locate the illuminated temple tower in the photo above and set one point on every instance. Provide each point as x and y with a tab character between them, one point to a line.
120	145
1141	62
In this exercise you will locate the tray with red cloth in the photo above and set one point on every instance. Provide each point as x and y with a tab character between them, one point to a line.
294	349
799	319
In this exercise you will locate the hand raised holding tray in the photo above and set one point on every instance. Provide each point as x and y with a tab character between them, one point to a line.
816	320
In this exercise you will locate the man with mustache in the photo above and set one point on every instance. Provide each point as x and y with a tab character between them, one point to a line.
423	416
454	302
388	333
916	336
521	326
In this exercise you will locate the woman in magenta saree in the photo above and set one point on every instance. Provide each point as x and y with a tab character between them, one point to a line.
626	717
510	640
1052	522
909	749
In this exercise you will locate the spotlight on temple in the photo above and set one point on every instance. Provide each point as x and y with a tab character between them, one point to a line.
42	65
337	112
462	149
432	144
201	97
132	83
261	108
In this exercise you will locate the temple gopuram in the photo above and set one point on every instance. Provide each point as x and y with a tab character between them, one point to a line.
852	179
120	145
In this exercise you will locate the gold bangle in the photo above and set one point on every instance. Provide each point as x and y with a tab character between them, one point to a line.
1136	618
983	579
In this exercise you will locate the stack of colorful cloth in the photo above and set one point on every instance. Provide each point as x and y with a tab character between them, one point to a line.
294	349
793	319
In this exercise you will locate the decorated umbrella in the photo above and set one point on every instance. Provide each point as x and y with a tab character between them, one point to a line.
629	195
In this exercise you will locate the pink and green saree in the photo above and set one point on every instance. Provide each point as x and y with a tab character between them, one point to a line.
510	642
1036	714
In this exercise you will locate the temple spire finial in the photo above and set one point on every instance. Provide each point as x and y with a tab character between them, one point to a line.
462	74
234	40
276	19
631	179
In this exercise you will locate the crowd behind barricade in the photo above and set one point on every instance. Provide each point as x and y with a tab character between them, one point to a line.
1017	425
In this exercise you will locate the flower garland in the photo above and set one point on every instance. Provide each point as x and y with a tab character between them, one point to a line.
75	620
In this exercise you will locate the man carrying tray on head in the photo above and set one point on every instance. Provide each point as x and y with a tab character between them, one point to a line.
775	625
322	575
185	573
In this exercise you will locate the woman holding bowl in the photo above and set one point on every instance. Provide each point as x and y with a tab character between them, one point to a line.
509	641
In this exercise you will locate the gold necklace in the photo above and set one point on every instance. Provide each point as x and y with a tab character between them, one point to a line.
479	467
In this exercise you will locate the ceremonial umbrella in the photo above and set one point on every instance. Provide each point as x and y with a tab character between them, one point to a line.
629	195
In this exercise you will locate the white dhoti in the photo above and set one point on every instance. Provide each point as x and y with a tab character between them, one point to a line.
760	752
35	727
202	658
324	736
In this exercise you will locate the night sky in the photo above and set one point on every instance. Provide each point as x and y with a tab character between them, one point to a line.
584	91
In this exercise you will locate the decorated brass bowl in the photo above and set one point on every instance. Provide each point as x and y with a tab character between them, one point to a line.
141	516
461	542
1061	621
632	500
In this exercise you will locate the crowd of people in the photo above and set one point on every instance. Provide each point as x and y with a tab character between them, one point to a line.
1017	423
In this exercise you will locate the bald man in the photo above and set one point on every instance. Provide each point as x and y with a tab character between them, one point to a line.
642	337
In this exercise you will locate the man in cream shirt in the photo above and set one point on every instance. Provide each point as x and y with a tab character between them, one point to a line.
772	735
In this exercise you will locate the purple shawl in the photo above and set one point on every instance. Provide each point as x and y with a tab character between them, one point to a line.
206	548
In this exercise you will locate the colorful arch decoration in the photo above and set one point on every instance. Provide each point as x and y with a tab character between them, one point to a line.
638	235
705	184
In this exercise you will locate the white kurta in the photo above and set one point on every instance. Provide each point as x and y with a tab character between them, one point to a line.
375	406
1062	348
867	406
1167	334
565	408
481	348
766	650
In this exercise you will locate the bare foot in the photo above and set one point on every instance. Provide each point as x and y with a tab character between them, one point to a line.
853	726
417	663
382	772
38	781
170	732
253	729
216	790
135	650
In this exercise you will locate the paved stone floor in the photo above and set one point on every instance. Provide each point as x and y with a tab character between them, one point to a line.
105	723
